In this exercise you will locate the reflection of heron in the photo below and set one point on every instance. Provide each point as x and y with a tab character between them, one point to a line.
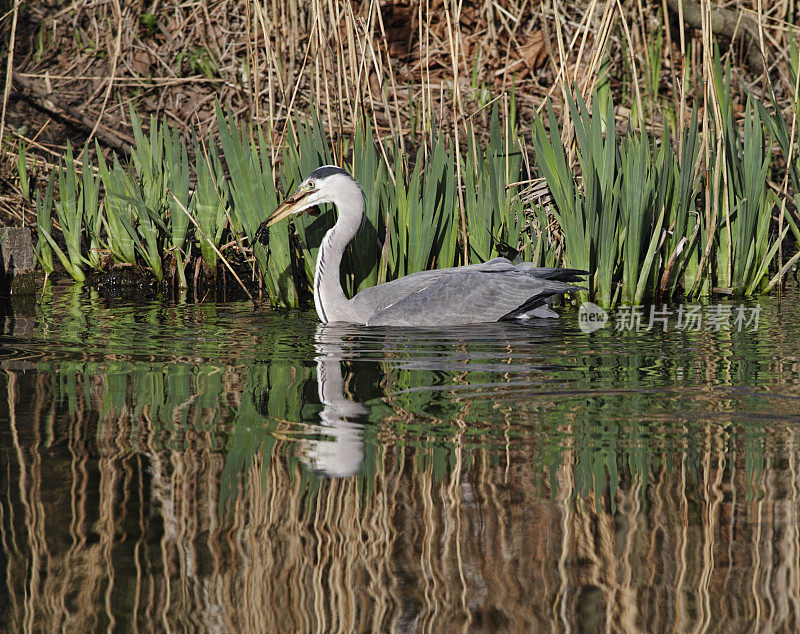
340	453
470	294
335	446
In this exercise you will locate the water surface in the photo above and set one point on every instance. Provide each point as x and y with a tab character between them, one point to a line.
217	468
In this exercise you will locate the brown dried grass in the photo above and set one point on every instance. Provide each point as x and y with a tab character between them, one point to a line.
414	68
342	57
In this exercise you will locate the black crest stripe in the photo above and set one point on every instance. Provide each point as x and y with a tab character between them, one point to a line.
327	170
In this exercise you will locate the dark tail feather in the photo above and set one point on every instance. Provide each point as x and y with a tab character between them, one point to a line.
546	297
557	275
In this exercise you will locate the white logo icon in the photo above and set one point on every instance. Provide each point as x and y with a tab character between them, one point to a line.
591	317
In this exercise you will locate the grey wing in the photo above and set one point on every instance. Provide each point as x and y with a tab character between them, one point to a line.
376	298
468	297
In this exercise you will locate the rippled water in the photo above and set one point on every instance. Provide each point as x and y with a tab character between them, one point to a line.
217	468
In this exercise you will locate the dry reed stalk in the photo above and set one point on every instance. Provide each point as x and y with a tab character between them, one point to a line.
452	17
632	57
711	195
117	48
9	66
398	131
785	183
585	22
566	133
213	246
600	43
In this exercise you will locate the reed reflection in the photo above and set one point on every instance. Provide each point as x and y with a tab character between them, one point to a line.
520	480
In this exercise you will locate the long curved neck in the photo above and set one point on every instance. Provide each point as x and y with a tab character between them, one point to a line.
329	298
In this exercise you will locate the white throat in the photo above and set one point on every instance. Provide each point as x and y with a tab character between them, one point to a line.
329	298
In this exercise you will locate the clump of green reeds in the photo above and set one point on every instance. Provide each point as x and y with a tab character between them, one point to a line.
785	133
631	214
78	209
646	220
150	215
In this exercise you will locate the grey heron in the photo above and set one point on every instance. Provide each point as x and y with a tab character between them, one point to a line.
474	293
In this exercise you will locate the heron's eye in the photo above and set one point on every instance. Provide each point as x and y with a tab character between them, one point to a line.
312	185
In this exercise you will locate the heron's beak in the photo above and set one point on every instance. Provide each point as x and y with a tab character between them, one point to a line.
287	207
291	206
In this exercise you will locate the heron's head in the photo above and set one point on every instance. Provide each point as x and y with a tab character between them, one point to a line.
324	185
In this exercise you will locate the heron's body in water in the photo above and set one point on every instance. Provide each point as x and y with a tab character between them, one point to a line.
476	293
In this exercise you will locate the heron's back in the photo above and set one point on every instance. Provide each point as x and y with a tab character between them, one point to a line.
470	294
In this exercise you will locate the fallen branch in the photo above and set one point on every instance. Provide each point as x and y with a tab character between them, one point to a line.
47	100
725	22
